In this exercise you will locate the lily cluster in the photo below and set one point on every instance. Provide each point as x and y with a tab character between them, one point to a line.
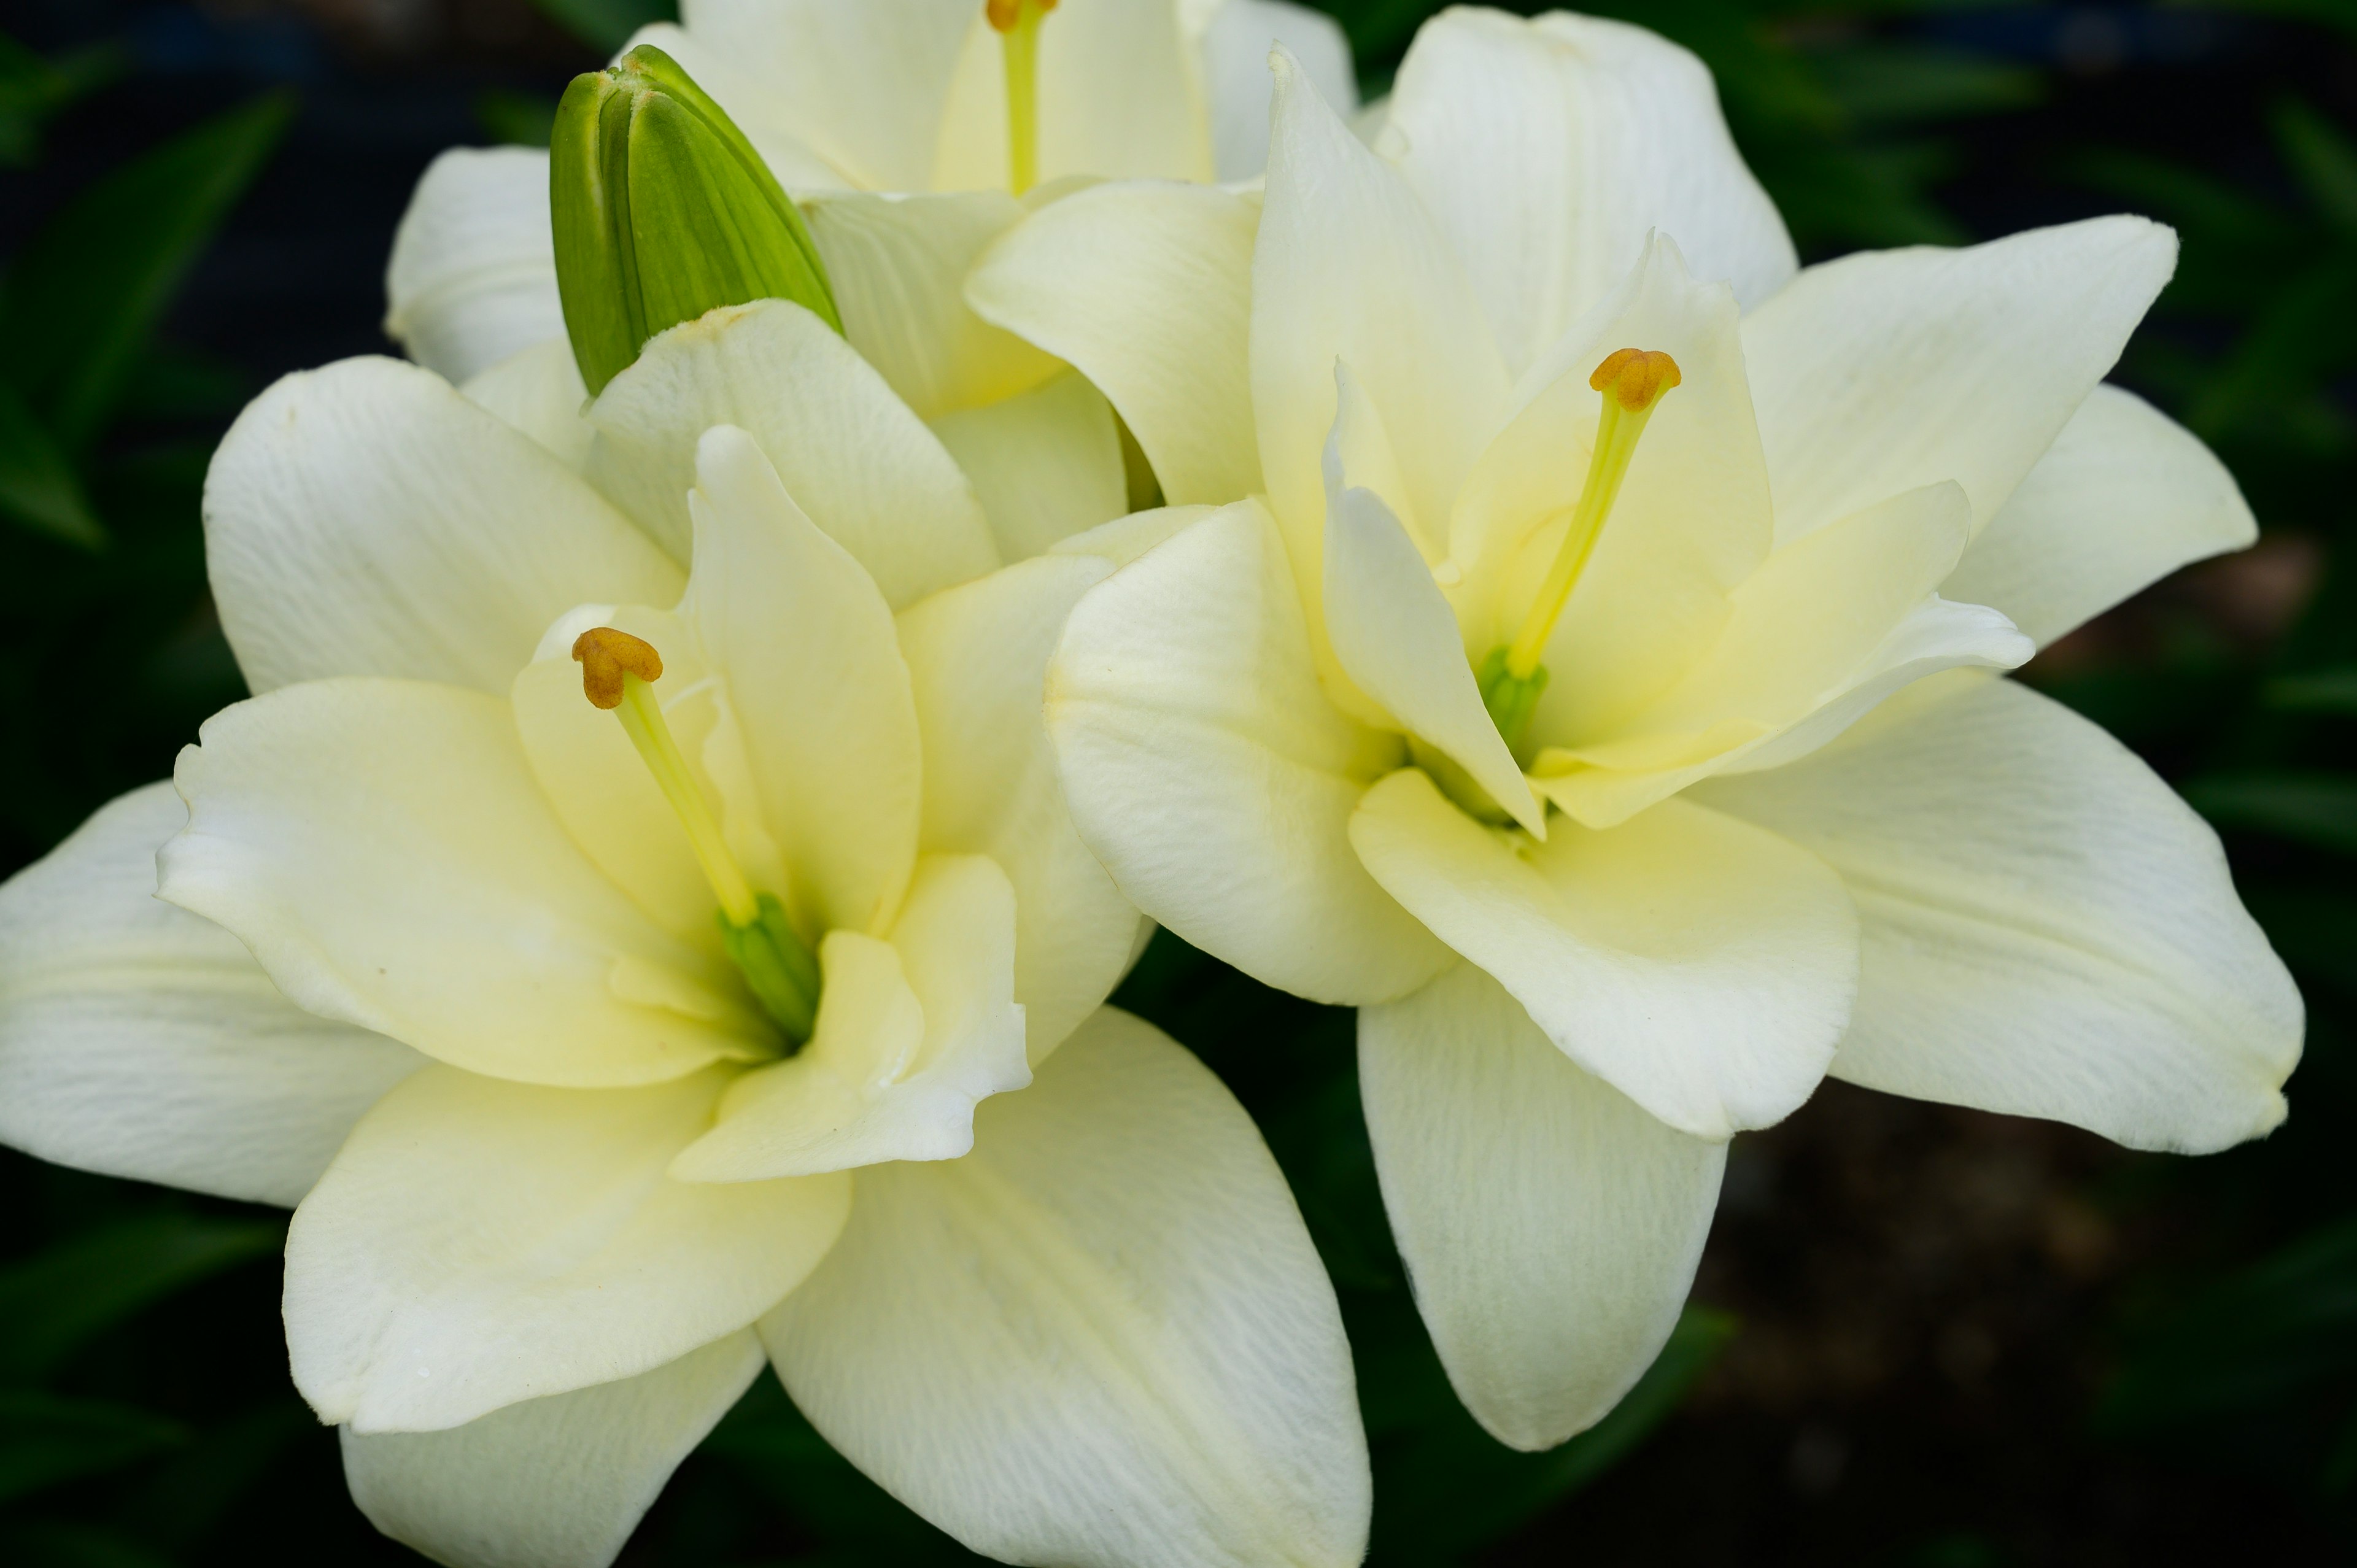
897	500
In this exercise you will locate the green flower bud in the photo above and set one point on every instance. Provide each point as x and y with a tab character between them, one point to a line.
662	211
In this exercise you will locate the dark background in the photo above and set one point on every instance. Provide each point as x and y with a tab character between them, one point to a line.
1923	1337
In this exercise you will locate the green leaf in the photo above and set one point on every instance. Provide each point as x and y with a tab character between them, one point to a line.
89	288
518	119
55	1545
32	89
45	1440
2322	159
55	1301
2320	691
2318	808
607	25
39	487
1891	84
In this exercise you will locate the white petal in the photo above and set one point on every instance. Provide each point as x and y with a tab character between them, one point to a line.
1701	966
978	656
898	269
1350	266
1047	463
1550	1227
813	669
1146	289
539	391
911	1036
1547	149
381	847
138	1040
1235	50
367	519
1210	774
480	1244
864	467
551	1483
2048	930
1124	539
473	275
2124	496
1889	370
1397	638
1102	1340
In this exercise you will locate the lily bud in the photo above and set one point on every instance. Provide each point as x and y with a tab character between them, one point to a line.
662	211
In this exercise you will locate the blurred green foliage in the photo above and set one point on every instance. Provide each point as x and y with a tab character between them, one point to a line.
144	1417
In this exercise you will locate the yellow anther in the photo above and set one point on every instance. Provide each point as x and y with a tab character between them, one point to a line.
1018	22
606	656
1632	381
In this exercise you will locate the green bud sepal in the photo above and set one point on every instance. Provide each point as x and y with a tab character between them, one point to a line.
779	968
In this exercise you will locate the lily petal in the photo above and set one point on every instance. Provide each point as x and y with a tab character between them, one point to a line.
138	1040
367	519
1234	48
2124	496
858	462
1547	148
539	391
1047	463
2048	930
911	1036
473	273
1703	967
550	1483
1215	780
978	656
1146	289
480	1244
381	847
1551	1227
1113	1299
1890	370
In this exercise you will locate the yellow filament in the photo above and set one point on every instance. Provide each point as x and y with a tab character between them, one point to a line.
1018	22
616	669
1632	381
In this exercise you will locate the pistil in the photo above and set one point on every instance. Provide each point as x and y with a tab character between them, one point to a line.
617	673
1018	22
1632	381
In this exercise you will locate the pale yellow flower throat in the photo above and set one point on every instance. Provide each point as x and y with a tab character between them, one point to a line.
1018	22
1632	381
779	968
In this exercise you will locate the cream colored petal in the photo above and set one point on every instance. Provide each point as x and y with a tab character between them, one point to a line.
807	648
1701	966
480	1244
858	462
381	847
1146	288
1692	520
1119	99
1104	1338
1124	539
1235	42
137	1040
551	1483
1350	266
1398	640
1209	772
539	391
2048	930
1547	149
1890	370
912	1033
367	519
1047	463
862	84
977	658
744	81
899	267
2124	496
473	273
1550	1226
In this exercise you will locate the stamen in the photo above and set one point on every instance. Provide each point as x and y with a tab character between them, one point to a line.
1632	381
1018	22
617	670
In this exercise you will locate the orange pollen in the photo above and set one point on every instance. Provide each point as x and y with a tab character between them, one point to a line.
1635	377
1005	14
606	656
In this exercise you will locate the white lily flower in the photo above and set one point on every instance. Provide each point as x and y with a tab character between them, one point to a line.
1598	689
512	997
